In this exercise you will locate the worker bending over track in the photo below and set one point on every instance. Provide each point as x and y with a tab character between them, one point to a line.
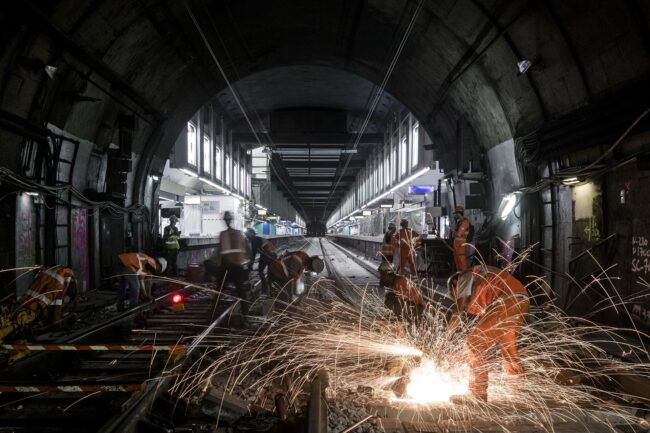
286	272
403	297
501	302
267	253
133	270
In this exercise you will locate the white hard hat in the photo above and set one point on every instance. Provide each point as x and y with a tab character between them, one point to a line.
162	262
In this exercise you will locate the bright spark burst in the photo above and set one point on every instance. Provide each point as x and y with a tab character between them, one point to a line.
573	366
430	383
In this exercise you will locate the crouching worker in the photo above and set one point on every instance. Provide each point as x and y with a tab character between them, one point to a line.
51	290
267	254
287	272
403	297
134	270
500	302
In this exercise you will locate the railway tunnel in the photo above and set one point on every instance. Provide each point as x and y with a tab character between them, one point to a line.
510	136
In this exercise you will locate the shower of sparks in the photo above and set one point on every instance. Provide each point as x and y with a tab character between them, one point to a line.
573	366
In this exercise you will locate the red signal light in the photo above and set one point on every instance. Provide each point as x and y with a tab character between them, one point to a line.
177	298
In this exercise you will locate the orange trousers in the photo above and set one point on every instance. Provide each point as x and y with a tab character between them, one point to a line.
460	256
500	325
407	257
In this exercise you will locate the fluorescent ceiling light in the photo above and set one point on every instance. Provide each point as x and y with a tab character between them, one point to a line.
32	193
386	205
366	213
165	198
189	172
259	206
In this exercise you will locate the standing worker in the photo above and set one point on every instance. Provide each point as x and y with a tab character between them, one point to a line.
287	271
461	231
387	251
133	268
267	253
500	302
171	235
408	240
228	263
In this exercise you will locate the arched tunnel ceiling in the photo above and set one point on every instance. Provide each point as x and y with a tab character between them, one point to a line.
308	86
458	63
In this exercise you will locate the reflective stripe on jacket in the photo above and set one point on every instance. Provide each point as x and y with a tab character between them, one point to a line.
232	247
49	287
137	262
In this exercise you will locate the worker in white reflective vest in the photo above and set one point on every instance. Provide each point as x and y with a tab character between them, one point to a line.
228	263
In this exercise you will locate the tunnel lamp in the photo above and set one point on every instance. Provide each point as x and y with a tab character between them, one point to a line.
32	193
189	172
570	181
523	66
507	205
51	71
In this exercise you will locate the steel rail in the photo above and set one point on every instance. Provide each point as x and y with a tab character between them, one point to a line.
127	420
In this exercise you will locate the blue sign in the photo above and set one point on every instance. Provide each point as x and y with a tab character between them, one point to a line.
421	189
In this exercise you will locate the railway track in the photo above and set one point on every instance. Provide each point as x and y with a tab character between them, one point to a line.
102	379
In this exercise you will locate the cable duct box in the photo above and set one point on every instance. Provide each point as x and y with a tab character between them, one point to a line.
475	202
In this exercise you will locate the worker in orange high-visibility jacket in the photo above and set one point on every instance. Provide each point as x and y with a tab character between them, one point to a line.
286	271
388	245
133	269
408	240
403	297
500	301
460	239
51	288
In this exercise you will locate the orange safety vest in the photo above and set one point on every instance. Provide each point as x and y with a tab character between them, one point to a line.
491	285
137	262
461	230
408	238
409	291
388	246
48	290
289	267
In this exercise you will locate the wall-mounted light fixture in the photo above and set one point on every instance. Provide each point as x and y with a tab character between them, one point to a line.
570	181
507	205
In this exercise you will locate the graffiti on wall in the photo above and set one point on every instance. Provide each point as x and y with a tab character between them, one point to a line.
80	259
25	238
640	255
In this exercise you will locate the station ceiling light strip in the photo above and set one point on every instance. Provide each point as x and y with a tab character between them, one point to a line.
390	191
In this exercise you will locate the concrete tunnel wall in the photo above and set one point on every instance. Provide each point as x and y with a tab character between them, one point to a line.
458	68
